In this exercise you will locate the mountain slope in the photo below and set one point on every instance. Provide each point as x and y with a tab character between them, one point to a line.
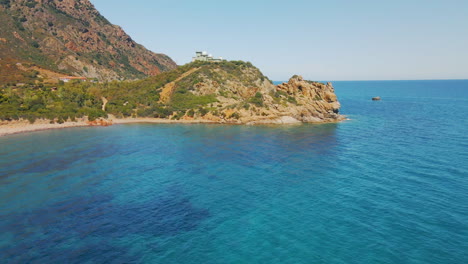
69	37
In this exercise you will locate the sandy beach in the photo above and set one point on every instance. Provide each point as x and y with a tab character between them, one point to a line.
23	126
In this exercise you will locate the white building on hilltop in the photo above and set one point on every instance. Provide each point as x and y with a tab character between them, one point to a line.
204	56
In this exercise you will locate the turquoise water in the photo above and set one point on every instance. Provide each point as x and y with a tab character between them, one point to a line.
388	186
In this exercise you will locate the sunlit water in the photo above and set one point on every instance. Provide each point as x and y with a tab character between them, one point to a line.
388	186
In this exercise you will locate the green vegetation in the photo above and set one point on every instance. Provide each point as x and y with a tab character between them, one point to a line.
235	115
257	100
31	3
35	44
185	101
5	3
279	96
203	111
67	102
139	98
292	100
191	113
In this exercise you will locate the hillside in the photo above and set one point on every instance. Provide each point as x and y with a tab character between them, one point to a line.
226	92
43	39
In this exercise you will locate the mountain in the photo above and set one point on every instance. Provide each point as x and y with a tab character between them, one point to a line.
43	39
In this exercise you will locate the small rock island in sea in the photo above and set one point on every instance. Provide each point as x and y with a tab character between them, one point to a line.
64	64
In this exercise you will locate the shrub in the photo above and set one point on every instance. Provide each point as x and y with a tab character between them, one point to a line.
3	98
178	115
189	101
162	112
5	3
203	111
94	114
235	115
191	113
257	99
31	119
292	100
31	4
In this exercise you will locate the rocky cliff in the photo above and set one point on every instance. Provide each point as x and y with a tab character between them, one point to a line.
41	39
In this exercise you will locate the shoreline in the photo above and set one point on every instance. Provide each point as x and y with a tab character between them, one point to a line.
24	126
120	121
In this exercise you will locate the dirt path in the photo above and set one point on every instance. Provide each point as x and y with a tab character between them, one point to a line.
169	88
104	103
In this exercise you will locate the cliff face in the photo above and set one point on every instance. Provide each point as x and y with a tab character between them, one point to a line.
237	92
69	37
314	101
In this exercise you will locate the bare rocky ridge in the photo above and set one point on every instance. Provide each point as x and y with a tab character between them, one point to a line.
71	37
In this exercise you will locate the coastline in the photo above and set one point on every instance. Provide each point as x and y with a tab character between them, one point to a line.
24	126
119	121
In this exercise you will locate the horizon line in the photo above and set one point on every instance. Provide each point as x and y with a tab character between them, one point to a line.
387	80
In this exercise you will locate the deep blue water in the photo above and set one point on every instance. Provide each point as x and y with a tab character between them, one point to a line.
388	186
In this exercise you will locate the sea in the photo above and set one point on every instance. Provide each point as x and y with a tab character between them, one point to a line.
389	185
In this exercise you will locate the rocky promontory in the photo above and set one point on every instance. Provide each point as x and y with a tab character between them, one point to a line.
229	92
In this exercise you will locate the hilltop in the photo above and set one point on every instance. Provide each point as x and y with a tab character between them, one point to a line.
43	39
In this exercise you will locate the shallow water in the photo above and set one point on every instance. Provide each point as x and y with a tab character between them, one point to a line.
388	186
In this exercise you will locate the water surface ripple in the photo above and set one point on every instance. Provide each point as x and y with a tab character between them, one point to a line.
388	186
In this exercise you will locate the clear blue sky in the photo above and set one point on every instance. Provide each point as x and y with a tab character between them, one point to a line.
321	40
